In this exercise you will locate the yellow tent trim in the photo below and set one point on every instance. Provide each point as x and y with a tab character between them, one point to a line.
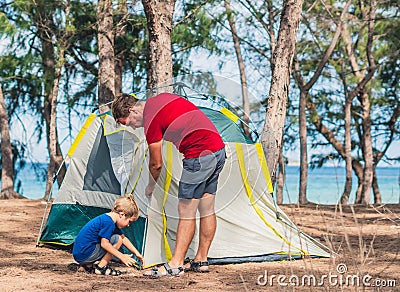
106	133
167	184
240	155
229	114
264	167
140	170
81	133
152	265
55	243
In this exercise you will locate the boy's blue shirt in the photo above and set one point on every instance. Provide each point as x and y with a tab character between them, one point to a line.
91	234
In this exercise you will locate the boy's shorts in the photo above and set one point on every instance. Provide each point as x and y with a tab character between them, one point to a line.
99	252
200	175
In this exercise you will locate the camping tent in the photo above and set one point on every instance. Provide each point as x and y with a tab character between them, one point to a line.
107	160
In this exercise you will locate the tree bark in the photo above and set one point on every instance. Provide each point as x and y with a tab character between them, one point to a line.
105	39
303	149
52	137
44	24
271	137
119	45
347	149
358	199
366	149
62	46
281	178
366	116
159	23
375	187
242	72
330	137
7	166
364	98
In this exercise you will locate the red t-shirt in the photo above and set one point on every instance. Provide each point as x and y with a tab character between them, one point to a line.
170	117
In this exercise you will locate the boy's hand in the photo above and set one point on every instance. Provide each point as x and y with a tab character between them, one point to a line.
128	260
140	258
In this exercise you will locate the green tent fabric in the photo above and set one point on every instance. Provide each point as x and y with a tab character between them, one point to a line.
229	131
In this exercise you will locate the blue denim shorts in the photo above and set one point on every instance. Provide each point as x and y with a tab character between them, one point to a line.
200	175
99	252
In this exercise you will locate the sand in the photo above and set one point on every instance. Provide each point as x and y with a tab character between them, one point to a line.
367	243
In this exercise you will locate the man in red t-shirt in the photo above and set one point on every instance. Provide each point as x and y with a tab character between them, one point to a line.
175	119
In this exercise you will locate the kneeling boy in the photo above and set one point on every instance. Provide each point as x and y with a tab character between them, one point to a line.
101	238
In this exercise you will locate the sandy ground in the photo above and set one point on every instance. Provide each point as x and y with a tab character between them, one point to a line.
366	239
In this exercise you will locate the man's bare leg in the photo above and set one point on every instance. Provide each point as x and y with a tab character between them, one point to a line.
208	224
186	227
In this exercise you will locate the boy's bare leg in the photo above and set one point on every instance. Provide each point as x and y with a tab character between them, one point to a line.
208	224
108	257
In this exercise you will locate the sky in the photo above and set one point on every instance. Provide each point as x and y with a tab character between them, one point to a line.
228	84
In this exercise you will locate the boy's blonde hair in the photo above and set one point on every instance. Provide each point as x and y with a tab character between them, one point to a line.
126	205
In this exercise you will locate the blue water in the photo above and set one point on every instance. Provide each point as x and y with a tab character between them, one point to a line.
32	179
325	185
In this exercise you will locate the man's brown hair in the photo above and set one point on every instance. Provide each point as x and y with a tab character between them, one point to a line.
121	104
126	205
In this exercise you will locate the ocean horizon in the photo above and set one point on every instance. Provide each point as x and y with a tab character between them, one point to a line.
325	185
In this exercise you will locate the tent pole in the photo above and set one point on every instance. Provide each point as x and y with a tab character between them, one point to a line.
48	201
144	239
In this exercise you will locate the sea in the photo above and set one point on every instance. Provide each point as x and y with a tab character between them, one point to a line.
325	185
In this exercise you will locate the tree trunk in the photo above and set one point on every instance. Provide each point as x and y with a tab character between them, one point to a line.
271	137
360	92
347	149
44	23
367	150
375	187
366	114
105	36
359	192
243	79
303	149
52	137
7	167
159	23
62	46
280	183
330	137
120	46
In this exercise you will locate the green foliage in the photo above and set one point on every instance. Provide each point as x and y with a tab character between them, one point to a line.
194	30
319	23
6	28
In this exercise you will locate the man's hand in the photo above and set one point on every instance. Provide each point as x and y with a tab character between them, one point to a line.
149	191
155	165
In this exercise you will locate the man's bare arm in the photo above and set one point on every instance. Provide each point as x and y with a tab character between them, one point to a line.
155	166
